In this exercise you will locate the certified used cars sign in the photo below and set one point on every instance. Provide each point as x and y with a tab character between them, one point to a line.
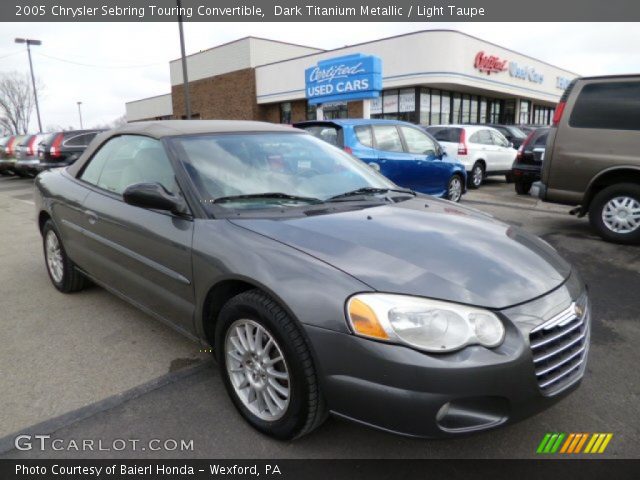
352	77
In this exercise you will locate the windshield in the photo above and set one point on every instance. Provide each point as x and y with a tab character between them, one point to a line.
295	168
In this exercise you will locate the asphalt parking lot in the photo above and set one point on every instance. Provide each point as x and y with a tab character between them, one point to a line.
89	366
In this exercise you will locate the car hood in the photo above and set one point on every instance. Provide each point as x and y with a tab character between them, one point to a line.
426	247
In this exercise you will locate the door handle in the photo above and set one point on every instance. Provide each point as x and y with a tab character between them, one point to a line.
92	218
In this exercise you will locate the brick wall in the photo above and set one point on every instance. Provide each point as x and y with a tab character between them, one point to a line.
230	96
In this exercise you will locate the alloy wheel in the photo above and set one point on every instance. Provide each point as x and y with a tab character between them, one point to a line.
477	175
54	257
257	369
622	214
455	189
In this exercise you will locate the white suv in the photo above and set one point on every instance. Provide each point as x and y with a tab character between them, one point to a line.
482	150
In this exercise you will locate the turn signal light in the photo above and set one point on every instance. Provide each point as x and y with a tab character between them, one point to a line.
364	321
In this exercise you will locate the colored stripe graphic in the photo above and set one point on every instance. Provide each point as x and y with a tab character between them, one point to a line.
573	443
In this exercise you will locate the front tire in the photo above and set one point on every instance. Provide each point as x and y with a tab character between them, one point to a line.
267	367
62	271
454	188
476	175
615	213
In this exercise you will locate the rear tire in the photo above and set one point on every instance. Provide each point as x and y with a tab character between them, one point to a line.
476	176
247	373
62	271
615	213
522	187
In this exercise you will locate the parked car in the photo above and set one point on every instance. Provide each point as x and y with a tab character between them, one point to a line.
513	134
61	149
528	164
5	143
320	285
26	153
593	157
482	150
402	152
8	161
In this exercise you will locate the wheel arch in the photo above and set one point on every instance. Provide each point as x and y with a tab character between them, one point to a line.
608	177
224	290
43	216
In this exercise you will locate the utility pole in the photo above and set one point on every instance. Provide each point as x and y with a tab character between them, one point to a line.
185	77
80	115
29	42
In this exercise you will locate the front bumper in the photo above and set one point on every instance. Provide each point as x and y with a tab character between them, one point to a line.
401	390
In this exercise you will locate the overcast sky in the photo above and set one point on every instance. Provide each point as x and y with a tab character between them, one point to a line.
105	65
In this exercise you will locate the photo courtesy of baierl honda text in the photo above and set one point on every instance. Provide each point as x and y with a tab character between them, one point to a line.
342	240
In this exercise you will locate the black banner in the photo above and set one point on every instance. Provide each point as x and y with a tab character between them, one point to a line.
320	11
318	469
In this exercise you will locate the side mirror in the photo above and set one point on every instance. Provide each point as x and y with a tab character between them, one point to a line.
154	196
510	145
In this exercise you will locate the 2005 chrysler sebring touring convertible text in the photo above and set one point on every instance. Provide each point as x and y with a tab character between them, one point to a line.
322	286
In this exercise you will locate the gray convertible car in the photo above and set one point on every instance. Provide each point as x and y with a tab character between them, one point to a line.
321	286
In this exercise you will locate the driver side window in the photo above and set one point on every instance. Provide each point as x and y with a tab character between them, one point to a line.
499	139
129	159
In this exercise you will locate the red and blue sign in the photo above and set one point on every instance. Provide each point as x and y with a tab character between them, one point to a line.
352	77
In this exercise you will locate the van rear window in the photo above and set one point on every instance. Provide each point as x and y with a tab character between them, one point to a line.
611	106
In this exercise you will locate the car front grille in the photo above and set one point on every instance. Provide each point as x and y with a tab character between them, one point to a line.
559	348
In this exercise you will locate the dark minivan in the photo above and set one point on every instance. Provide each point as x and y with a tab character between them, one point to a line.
592	155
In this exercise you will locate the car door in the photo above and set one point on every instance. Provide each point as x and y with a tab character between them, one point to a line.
395	163
141	253
428	173
505	153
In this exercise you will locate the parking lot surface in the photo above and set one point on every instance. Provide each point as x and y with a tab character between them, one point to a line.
60	353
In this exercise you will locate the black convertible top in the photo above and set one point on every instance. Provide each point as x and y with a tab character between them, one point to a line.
168	128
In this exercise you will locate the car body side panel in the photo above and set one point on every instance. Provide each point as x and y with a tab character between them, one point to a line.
224	251
142	253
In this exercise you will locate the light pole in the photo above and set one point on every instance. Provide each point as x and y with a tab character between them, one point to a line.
29	42
80	115
185	77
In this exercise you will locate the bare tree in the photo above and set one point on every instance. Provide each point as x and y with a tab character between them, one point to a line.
16	102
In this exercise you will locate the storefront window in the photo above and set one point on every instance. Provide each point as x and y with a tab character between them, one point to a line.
407	105
334	110
376	107
483	110
390	104
425	107
524	112
457	108
466	109
311	111
474	110
285	112
494	115
445	108
435	107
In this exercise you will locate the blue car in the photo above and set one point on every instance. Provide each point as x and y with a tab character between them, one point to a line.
402	152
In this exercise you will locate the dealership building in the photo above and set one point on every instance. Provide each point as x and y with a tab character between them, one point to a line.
427	77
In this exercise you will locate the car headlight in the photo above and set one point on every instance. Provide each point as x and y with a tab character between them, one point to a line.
422	323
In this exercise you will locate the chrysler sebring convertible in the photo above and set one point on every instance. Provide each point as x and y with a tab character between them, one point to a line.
321	286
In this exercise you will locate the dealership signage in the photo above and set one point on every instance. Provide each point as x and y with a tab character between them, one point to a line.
351	77
493	64
525	73
489	63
